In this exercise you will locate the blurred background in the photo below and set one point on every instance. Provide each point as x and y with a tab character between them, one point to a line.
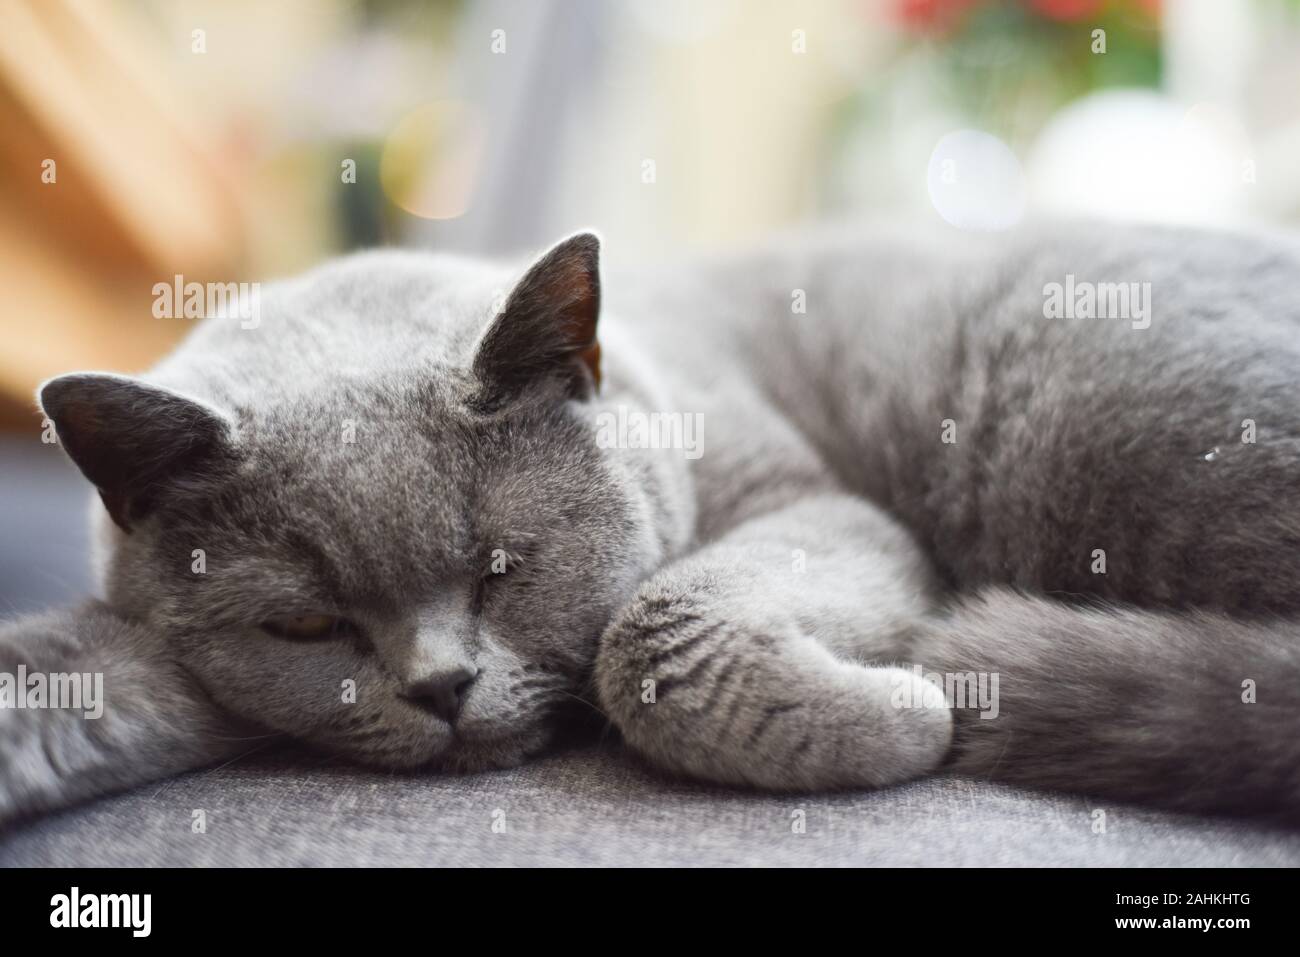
245	139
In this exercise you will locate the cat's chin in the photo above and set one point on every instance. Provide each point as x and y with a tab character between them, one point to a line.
474	761
462	757
472	755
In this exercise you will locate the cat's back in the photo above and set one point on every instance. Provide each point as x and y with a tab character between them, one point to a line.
1067	388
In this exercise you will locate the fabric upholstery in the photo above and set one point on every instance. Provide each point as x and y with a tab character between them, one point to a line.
600	806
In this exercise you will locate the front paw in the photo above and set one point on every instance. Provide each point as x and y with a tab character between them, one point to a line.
702	691
26	774
917	728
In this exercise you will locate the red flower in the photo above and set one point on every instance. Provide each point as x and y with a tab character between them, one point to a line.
1066	9
931	15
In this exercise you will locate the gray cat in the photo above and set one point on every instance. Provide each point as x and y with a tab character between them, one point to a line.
420	510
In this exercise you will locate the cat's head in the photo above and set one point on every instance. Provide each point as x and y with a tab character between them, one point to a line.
409	568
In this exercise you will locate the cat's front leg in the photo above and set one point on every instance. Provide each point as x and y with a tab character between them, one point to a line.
751	661
91	704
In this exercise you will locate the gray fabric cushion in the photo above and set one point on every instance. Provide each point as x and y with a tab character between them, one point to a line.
601	807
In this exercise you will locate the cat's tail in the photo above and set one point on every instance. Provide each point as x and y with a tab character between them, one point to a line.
1191	711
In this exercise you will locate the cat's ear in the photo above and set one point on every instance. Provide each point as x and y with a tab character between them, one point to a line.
547	328
133	440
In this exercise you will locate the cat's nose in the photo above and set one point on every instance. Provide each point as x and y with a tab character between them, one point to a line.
442	691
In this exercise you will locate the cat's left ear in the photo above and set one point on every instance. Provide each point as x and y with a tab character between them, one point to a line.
548	326
135	441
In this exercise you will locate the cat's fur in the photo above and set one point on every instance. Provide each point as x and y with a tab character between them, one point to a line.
741	617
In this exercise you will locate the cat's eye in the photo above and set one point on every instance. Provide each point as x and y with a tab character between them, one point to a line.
306	627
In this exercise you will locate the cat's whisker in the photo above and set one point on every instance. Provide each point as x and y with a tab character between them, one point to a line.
251	737
590	704
238	757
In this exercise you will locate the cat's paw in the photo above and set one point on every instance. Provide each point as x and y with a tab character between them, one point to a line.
916	725
762	703
24	762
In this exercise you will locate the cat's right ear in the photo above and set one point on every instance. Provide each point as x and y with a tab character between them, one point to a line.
133	440
547	329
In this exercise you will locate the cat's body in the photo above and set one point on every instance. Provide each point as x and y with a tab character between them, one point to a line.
894	436
1141	462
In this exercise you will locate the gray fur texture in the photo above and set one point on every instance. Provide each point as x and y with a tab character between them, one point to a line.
919	468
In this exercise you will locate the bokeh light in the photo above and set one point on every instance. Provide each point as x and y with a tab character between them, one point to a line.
431	160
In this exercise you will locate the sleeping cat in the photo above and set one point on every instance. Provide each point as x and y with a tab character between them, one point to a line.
395	521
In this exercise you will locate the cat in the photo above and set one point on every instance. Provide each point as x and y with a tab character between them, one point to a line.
392	521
